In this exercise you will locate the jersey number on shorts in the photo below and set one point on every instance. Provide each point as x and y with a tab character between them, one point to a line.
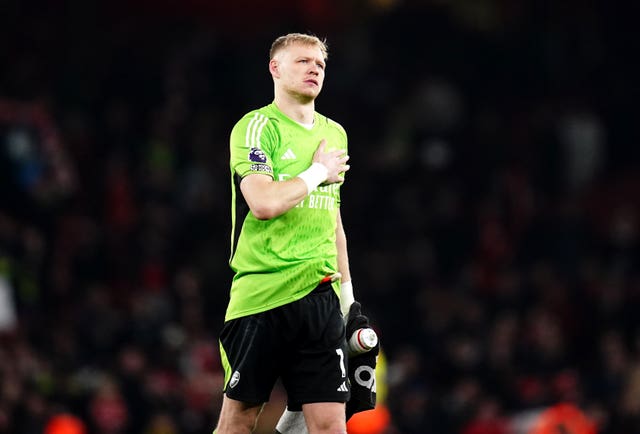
341	355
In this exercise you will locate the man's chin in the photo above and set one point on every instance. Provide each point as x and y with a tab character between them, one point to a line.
306	98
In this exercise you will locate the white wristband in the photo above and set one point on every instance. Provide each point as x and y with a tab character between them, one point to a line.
346	297
315	175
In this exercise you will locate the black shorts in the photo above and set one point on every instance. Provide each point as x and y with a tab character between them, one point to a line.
302	343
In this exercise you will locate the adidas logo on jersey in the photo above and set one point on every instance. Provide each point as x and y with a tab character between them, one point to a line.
343	387
289	155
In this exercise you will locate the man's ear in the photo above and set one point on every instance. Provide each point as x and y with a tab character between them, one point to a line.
273	68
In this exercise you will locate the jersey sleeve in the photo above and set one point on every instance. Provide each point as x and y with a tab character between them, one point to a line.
251	145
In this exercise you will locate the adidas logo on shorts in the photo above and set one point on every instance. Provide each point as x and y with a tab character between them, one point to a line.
343	387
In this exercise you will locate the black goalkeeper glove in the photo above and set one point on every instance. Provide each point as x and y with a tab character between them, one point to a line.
362	367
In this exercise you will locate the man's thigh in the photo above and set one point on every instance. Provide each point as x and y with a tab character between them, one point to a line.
325	417
237	416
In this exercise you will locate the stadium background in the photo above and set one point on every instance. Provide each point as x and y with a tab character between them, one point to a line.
492	207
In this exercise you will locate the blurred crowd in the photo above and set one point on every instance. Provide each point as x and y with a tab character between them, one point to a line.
492	209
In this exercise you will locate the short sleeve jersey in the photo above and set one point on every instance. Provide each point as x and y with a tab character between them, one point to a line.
280	260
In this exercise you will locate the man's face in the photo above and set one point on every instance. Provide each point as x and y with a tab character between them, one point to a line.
299	71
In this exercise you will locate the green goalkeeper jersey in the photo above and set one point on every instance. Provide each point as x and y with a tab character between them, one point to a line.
280	260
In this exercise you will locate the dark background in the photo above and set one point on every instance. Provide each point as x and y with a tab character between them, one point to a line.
491	209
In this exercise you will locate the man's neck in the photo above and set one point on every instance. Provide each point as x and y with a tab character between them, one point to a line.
302	112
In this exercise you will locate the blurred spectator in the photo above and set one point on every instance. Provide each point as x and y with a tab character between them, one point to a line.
65	424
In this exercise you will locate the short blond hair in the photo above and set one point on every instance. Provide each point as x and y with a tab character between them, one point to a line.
298	38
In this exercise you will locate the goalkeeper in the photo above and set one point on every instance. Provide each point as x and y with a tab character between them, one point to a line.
288	249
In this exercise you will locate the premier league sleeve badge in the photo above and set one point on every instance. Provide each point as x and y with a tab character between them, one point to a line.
257	155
